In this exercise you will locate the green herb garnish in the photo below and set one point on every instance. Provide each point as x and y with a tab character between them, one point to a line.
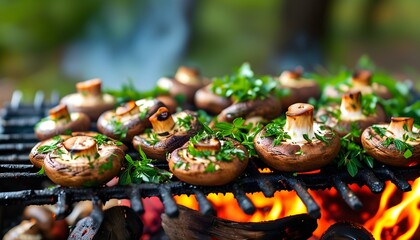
102	139
244	85
119	129
142	171
401	146
52	146
276	129
185	122
41	171
351	155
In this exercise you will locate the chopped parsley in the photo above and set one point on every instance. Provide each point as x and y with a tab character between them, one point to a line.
276	129
244	85
225	154
143	113
119	129
352	155
102	139
401	146
185	122
54	145
237	130
142	171
152	137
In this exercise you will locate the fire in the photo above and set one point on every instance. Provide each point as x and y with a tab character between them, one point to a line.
391	215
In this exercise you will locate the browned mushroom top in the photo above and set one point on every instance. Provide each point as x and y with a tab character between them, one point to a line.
299	143
397	143
350	111
361	80
83	161
128	119
294	79
59	121
89	99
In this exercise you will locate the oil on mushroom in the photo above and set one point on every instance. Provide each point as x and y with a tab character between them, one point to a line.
351	112
84	161
395	144
89	99
61	121
170	131
301	89
129	119
208	160
298	144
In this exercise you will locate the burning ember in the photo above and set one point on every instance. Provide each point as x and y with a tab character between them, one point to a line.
390	215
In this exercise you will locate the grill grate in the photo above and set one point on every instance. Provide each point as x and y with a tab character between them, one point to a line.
17	139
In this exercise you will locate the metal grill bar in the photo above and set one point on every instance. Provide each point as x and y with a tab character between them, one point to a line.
17	139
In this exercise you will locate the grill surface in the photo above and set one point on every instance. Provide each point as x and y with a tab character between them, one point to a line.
21	184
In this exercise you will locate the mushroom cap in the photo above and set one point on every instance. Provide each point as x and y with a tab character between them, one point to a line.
227	172
37	158
301	89
43	216
89	99
373	144
186	82
135	121
342	126
285	157
48	128
166	144
80	161
269	108
169	101
205	99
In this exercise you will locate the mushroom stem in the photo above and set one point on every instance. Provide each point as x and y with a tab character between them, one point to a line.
81	146
125	108
162	121
209	144
293	75
299	122
59	112
400	126
89	87
188	75
361	78
351	106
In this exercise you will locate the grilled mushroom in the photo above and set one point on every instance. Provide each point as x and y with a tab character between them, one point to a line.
298	145
128	120
59	121
205	99
169	132
361	80
341	117
208	161
186	82
83	161
268	108
396	144
89	99
301	90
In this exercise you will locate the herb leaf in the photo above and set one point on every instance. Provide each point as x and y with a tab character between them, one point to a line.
276	129
52	146
244	85
140	171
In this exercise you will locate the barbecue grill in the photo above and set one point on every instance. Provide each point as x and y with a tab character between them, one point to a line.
22	185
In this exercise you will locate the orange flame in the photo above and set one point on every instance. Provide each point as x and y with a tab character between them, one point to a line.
390	222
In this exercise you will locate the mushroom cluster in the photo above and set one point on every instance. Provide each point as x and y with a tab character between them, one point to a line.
89	99
129	119
82	159
350	112
299	144
169	131
61	121
208	160
301	89
395	144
